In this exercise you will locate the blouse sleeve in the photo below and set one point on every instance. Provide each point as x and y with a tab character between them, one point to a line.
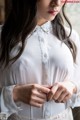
7	104
15	74
75	100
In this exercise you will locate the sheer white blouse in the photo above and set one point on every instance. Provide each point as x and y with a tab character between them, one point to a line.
45	60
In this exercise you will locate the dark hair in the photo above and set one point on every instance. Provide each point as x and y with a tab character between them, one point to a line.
20	22
60	32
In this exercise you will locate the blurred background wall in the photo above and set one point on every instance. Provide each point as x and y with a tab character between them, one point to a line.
4	9
73	13
2	6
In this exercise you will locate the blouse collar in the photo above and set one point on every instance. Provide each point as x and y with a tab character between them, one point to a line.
46	27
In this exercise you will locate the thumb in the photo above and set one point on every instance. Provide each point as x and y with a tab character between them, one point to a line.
52	92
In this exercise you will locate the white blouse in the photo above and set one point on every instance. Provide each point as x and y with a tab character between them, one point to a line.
45	60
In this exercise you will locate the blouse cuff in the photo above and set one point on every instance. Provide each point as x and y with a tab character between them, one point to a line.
74	101
8	106
77	85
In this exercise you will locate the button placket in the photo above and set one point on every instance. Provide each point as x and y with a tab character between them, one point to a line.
42	40
44	55
43	46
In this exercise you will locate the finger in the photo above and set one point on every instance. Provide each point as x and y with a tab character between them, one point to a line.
56	101
39	94
43	89
35	104
58	93
52	92
48	86
62	96
67	98
37	99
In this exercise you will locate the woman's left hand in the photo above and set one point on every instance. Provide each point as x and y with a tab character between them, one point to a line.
62	91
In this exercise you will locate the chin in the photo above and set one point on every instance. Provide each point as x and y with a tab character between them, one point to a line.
51	18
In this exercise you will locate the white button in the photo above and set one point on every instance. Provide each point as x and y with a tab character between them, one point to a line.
45	55
42	40
45	58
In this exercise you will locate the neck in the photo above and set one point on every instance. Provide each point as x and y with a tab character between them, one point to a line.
41	22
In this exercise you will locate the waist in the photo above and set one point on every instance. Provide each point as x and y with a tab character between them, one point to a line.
64	115
48	109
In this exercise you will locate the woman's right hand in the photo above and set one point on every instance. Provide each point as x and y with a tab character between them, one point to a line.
32	94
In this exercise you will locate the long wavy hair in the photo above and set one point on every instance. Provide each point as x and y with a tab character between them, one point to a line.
20	23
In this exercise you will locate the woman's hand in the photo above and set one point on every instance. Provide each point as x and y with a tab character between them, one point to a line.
31	94
62	91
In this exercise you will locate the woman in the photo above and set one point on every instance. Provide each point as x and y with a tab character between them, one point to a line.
39	62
